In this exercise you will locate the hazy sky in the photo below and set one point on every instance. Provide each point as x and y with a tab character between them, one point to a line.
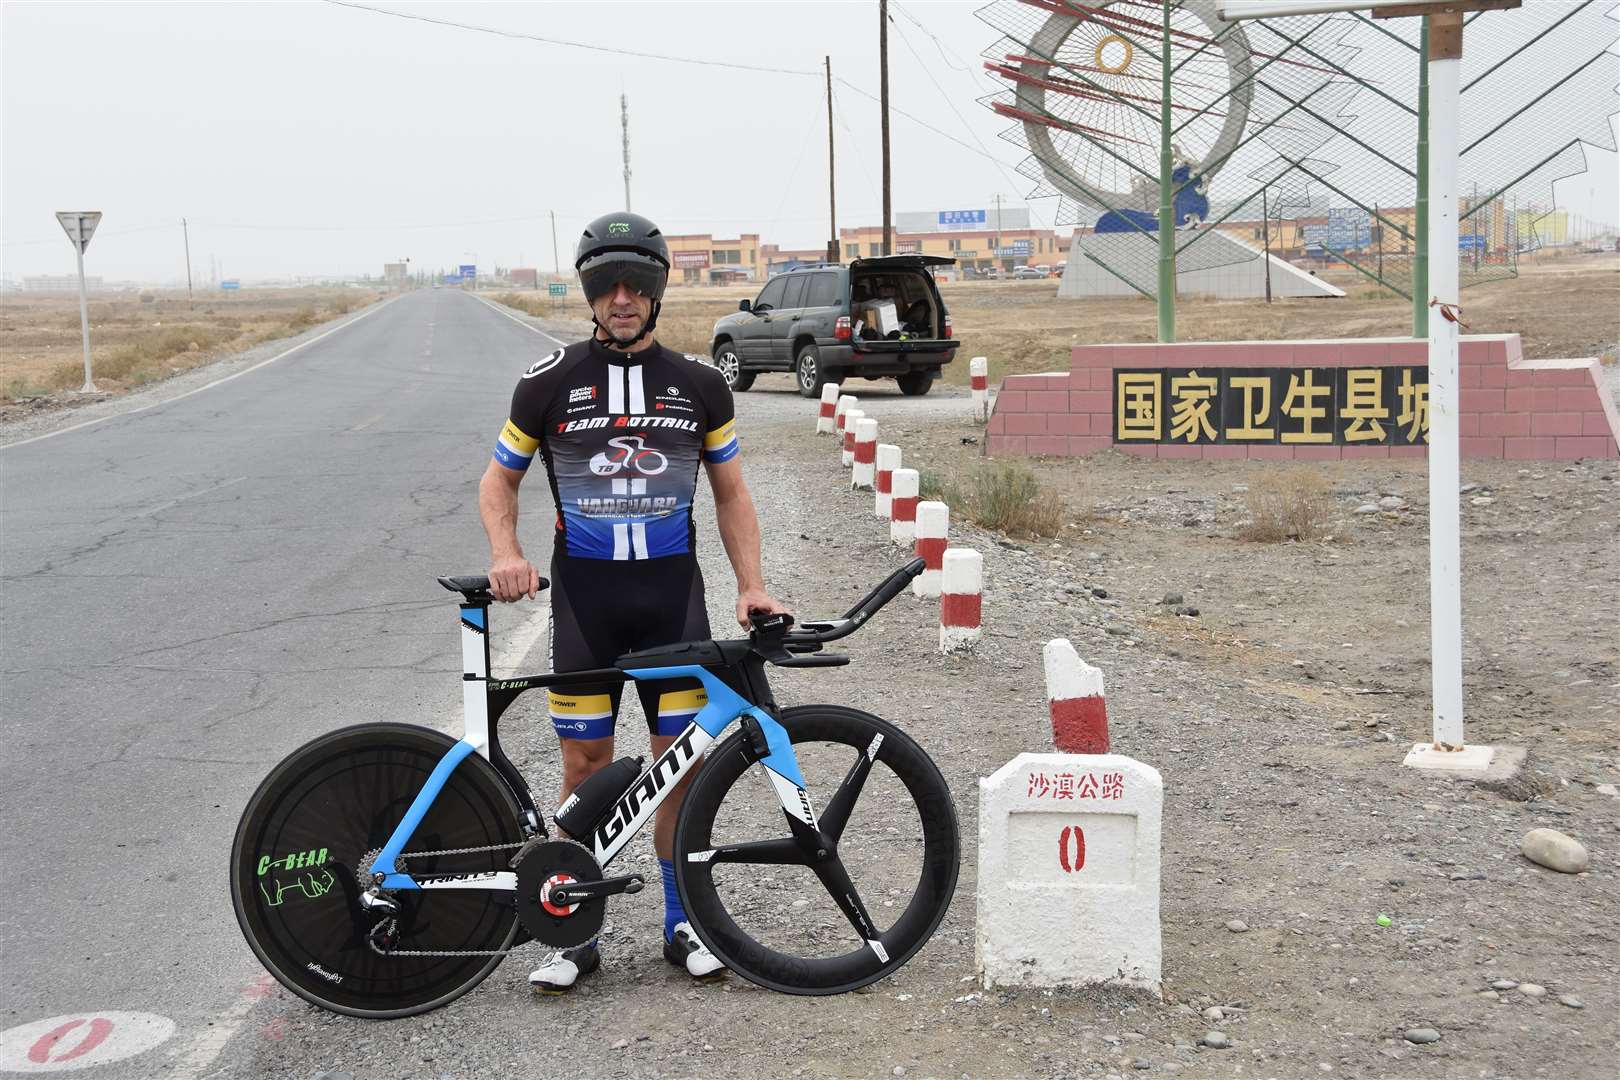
311	138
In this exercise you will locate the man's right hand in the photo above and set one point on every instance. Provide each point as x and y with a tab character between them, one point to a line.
514	578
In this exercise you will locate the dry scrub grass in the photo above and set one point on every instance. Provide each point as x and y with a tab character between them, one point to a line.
1001	495
1295	504
137	340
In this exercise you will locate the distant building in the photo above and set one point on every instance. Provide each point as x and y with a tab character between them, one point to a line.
696	257
396	273
59	283
525	277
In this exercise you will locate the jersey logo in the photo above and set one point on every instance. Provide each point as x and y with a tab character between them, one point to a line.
628	452
540	367
581	393
704	360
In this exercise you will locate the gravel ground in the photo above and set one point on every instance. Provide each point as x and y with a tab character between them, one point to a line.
1277	717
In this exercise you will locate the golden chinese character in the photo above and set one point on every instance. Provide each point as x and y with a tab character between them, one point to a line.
1364	404
1300	404
1137	404
1414	407
1189	413
1253	414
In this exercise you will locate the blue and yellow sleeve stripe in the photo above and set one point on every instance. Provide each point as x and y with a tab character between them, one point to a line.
514	449
721	443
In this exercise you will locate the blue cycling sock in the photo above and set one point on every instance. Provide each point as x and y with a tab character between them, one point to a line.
673	911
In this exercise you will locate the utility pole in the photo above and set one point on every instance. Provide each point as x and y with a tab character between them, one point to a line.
1265	228
832	187
995	244
556	263
883	92
1420	222
186	233
624	120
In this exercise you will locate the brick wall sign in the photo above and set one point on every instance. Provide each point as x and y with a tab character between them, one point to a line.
1068	890
1307	400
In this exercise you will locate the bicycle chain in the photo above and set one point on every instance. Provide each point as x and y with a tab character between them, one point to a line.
392	923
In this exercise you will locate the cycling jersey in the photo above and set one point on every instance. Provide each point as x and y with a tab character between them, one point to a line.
621	436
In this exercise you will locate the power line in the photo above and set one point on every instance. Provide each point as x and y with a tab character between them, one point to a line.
565	43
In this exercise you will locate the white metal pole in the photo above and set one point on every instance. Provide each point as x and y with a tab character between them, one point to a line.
84	314
1445	549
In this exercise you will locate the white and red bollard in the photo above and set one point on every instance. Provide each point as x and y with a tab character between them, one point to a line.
961	603
864	473
933	525
846	456
979	376
846	402
888	460
829	409
1074	695
903	506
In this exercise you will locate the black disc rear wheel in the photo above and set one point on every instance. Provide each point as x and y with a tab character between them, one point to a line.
790	921
304	845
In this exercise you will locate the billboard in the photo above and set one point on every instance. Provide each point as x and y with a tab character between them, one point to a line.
690	260
961	217
1013	249
468	271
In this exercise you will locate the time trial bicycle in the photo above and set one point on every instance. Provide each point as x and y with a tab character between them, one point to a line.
385	869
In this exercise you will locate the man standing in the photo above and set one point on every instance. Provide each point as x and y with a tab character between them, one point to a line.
621	423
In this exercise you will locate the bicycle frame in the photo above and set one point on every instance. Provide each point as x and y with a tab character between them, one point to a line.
483	701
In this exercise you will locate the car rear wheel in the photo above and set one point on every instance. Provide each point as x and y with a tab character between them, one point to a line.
808	373
729	365
916	383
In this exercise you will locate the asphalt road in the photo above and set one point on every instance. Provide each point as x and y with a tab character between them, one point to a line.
192	591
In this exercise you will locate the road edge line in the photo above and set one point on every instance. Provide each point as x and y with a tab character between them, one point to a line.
527	326
206	386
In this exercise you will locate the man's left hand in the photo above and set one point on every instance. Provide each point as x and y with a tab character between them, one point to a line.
755	600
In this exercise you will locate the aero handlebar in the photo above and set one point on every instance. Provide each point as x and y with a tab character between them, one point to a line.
888	589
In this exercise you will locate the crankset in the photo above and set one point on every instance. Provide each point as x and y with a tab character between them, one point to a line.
561	894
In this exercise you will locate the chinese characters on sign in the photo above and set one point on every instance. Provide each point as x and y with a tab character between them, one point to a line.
961	217
1068	785
1365	406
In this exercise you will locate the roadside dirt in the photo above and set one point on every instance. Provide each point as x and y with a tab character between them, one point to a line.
1278	717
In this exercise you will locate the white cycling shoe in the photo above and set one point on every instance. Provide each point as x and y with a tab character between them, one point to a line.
684	950
565	968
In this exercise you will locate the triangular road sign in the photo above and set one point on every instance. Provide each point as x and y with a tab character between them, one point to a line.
79	225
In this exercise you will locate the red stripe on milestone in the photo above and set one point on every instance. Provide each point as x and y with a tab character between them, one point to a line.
849	439
932	550
903	509
828	408
960	609
1080	725
981	382
885	481
865	452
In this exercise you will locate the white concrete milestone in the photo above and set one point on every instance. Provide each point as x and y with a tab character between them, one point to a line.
1068	889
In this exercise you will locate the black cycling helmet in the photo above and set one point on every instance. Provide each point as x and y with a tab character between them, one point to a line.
623	247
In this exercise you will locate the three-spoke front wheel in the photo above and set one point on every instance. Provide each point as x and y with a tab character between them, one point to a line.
830	917
729	363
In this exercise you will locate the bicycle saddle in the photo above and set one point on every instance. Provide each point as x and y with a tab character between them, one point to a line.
470	585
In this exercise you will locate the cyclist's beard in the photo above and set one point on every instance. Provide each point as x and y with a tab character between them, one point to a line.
616	341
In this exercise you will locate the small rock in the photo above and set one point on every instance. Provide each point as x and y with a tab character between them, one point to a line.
1482	500
1607	789
1392	502
1467	489
1237	926
1341	725
1216	1040
1214	1014
1572	1001
1422	1035
1369	723
1138	1063
1554	850
1173	599
620	1044
899	1070
1432	806
1504	984
1366	508
1188	610
1490	995
1532	990
1101	594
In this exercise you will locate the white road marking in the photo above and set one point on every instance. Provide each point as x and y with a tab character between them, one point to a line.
206	386
367	422
162	506
205	1048
81	1041
512	647
514	318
